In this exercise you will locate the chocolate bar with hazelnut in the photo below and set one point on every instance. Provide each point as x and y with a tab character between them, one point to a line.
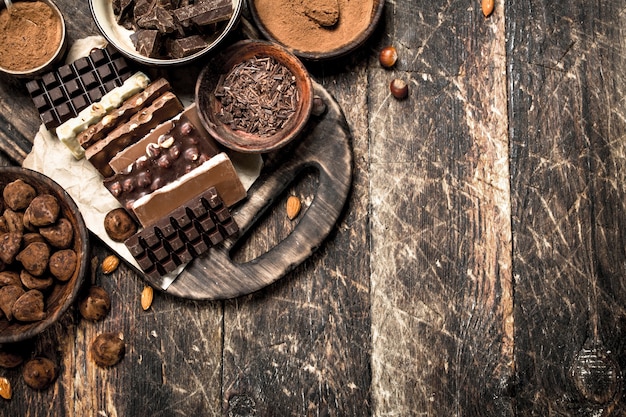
121	115
165	159
217	172
183	234
163	108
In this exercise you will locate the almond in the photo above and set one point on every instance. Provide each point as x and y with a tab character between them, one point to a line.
293	207
5	388
488	6
110	264
146	297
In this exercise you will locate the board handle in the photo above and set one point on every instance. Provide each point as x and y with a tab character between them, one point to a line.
325	147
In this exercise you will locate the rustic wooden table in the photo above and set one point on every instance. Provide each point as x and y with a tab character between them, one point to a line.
478	268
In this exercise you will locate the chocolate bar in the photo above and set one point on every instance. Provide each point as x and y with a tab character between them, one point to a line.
163	108
67	132
217	172
185	233
60	95
175	153
121	115
204	13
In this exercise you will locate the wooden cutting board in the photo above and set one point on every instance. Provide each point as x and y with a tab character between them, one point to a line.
325	147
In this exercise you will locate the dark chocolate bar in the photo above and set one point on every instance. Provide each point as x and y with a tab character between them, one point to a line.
176	153
183	235
60	95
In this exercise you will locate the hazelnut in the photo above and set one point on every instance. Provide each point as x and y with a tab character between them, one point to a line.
60	234
43	210
119	225
95	304
63	264
34	258
388	57
399	88
107	349
29	307
39	373
18	194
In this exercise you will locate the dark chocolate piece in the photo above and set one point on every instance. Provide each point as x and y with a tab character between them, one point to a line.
179	151
158	19
184	234
204	13
162	109
147	42
60	95
179	48
123	113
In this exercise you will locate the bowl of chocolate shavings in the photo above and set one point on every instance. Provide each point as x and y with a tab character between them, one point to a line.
44	253
255	97
165	33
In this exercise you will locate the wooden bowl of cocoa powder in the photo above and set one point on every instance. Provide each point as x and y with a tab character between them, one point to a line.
317	30
32	38
62	291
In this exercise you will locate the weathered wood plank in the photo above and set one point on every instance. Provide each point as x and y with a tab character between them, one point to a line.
301	346
567	127
441	238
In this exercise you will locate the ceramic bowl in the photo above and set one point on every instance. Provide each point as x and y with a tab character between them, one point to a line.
356	35
56	56
209	106
61	295
118	36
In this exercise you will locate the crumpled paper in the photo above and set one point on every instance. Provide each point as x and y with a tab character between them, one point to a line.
83	182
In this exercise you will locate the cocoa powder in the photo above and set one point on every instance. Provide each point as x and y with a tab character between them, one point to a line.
30	34
294	22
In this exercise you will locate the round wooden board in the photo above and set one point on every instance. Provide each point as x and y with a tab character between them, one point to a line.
326	147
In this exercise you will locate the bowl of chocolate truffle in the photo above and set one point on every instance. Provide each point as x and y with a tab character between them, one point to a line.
255	97
44	249
168	32
32	37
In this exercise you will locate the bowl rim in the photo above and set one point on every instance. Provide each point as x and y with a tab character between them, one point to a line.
161	62
57	53
38	327
233	55
321	56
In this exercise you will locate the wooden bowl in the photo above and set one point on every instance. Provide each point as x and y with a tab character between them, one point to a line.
355	35
209	106
61	295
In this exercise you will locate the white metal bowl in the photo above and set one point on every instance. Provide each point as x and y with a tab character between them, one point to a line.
118	36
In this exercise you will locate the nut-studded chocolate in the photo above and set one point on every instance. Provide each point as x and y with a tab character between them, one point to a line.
177	152
186	233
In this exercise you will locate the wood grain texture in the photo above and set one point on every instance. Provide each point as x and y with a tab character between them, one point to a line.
567	129
442	302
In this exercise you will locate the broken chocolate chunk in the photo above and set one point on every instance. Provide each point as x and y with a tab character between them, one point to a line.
147	42
179	48
158	19
204	13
